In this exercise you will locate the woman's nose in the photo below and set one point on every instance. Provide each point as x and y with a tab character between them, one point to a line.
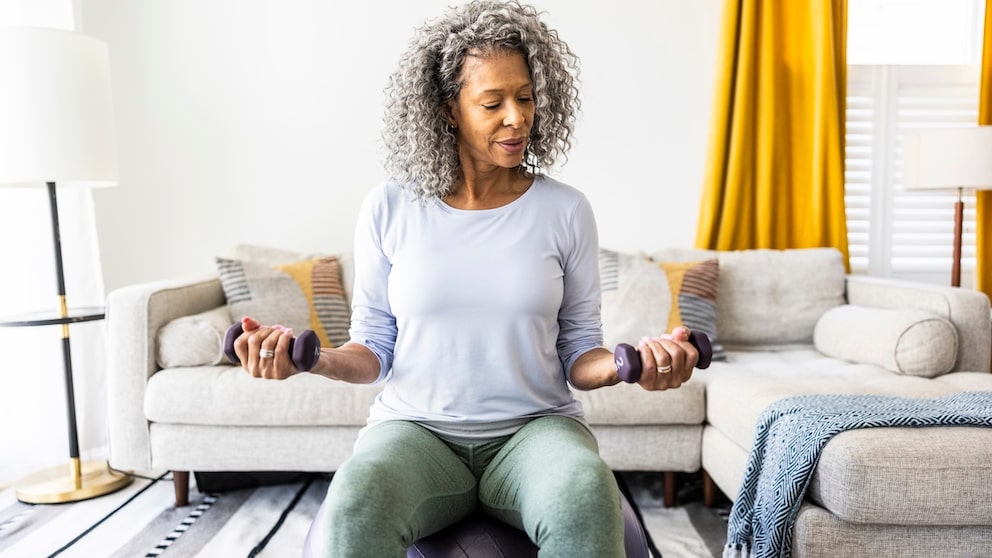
514	117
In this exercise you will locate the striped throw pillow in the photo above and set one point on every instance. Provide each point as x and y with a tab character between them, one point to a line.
642	296
304	294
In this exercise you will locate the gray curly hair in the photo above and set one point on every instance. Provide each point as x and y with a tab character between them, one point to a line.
421	152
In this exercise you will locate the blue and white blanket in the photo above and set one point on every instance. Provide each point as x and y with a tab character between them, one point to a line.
788	440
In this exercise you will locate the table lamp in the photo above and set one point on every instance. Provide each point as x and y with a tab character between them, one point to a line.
949	158
56	127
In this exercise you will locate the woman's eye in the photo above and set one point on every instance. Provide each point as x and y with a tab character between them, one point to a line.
491	107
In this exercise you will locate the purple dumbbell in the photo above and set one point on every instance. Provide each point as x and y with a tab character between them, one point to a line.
628	360
304	349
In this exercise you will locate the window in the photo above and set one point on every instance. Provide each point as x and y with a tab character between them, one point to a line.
892	232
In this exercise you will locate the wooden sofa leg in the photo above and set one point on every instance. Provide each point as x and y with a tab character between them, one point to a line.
709	490
671	479
181	481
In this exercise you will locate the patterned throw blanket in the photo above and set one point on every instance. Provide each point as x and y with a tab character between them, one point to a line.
788	440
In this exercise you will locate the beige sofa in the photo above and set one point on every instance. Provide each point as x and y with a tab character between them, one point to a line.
788	322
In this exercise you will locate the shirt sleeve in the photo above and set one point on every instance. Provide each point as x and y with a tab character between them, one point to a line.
372	321
579	319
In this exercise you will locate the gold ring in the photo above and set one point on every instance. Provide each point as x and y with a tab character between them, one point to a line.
664	369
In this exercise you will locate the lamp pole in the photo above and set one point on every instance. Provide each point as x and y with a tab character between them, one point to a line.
75	470
958	230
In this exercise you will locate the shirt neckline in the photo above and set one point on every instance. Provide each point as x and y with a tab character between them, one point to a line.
491	211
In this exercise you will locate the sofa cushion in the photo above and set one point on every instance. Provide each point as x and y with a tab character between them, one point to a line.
737	391
645	297
907	476
229	396
772	297
630	404
905	341
862	475
195	340
304	294
967	381
820	533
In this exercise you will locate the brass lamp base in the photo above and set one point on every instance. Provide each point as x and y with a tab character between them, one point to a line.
77	481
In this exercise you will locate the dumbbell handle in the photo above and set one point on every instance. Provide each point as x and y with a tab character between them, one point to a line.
304	350
628	359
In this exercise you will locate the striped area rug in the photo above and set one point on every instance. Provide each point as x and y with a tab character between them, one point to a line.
266	521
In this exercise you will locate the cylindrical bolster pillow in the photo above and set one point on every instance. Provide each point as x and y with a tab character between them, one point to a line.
911	342
196	340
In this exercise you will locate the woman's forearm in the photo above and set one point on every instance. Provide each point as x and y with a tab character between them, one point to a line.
594	369
352	362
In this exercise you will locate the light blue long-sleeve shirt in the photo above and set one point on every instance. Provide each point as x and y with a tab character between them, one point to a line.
476	316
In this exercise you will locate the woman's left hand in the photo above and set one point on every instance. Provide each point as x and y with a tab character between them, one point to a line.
667	361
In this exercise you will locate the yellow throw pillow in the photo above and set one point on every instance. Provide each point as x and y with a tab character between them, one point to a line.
693	287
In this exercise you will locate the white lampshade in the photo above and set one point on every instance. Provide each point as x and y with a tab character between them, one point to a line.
948	158
56	119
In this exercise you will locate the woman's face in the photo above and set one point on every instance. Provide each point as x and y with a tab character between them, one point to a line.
494	111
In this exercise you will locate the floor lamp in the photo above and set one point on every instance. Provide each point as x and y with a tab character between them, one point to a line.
949	158
56	128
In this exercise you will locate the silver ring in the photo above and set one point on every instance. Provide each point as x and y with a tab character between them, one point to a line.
664	369
266	353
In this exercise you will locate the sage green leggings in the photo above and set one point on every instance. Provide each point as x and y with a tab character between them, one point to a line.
404	483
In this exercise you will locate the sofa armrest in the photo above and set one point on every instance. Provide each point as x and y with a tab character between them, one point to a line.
967	309
134	316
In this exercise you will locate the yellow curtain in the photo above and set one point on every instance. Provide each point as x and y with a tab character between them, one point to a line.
983	228
775	168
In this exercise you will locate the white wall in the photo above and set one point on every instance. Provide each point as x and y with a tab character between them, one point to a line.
259	121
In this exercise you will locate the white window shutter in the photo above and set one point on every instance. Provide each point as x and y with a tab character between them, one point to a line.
893	232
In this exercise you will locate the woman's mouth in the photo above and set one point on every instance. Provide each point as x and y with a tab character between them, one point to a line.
515	145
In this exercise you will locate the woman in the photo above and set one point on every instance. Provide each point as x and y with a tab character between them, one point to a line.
476	302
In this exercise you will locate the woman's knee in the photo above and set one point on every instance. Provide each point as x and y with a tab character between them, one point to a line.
552	483
588	487
361	497
396	495
362	484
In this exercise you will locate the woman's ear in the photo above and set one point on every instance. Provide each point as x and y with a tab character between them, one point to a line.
448	114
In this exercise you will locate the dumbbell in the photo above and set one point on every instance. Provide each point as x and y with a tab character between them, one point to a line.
304	349
628	360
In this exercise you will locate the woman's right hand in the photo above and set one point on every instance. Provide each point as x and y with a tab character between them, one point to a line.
264	350
667	361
